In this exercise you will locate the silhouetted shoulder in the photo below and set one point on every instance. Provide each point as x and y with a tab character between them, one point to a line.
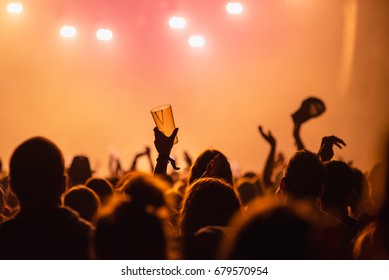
45	234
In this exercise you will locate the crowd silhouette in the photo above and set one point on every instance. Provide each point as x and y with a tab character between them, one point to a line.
308	207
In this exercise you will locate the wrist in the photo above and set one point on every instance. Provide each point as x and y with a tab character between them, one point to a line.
163	158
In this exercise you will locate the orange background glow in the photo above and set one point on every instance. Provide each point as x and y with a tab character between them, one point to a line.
95	97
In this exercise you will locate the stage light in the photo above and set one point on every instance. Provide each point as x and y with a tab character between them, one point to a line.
104	34
15	8
68	31
177	22
234	8
196	41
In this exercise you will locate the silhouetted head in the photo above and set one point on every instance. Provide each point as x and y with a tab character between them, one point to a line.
37	172
338	184
79	171
204	244
102	187
247	189
82	200
304	175
207	202
271	230
145	189
127	231
200	166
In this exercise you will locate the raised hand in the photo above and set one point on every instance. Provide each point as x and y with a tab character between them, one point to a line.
268	137
163	143
213	168
269	166
326	151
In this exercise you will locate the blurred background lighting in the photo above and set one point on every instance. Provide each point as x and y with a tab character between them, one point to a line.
196	41
234	8
15	8
104	34
68	31
177	22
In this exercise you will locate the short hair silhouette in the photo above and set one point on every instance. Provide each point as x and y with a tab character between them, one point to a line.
37	171
102	187
207	202
338	184
204	244
82	200
248	189
272	230
304	175
145	189
42	229
200	166
127	230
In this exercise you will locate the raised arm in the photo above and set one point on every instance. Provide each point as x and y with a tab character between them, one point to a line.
311	107
137	156
268	170
296	135
326	151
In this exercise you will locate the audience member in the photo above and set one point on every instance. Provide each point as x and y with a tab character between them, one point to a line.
207	202
200	165
102	187
79	171
42	229
271	230
127	230
323	209
82	200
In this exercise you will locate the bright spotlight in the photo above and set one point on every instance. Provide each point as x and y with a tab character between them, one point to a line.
104	34
196	41
177	22
15	8
68	31
234	8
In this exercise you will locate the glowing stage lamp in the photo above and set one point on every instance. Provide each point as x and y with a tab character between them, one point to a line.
104	34
15	8
234	8
196	41
68	31
177	22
